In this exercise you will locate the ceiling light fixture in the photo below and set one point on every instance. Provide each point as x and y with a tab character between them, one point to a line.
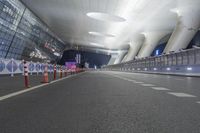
100	34
105	17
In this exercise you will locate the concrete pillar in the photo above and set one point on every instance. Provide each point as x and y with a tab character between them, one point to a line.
188	23
112	59
133	49
124	59
151	41
120	57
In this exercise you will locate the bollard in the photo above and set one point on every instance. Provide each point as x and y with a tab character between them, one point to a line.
22	67
65	72
26	79
31	72
60	71
12	65
37	68
54	73
70	71
51	69
45	75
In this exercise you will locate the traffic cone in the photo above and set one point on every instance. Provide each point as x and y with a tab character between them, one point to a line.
26	79
61	71
54	75
45	75
65	72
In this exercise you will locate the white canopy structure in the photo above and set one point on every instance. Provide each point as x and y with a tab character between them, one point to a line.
116	24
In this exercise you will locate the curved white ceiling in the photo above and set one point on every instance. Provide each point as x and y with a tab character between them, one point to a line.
69	20
96	44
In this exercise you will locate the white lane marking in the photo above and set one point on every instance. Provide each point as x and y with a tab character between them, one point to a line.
33	88
129	80
121	77
198	102
160	88
179	79
137	82
148	85
177	94
126	79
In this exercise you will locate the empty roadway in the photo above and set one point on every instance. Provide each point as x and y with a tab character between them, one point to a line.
106	102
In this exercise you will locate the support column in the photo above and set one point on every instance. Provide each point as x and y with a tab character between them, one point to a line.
112	59
124	59
188	23
133	49
120	57
151	41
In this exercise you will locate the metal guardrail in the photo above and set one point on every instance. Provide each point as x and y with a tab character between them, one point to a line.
12	66
181	62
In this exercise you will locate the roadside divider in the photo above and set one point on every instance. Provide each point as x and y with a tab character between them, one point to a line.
65	72
61	72
26	78
46	78
45	75
54	72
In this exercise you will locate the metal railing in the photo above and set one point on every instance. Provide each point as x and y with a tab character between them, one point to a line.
12	66
177	62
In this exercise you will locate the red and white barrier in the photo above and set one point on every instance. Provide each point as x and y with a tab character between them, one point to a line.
54	72
61	71
65	72
45	75
26	79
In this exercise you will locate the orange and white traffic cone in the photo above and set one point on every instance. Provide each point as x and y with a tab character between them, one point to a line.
54	73
45	75
65	72
26	79
61	71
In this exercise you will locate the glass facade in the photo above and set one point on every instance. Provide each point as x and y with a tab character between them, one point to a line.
25	36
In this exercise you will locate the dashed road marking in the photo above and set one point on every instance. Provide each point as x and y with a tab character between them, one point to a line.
123	78
137	82
126	79
130	80
177	94
160	88
198	102
147	85
179	79
133	81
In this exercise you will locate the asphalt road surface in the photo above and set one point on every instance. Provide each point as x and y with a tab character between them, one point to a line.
106	102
